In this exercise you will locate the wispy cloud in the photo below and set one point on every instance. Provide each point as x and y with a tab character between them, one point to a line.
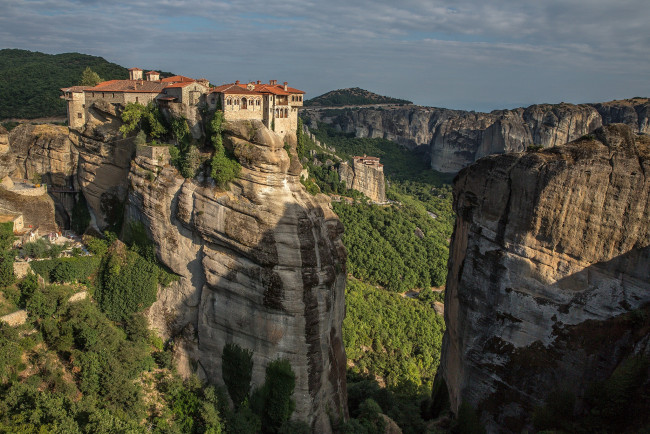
463	54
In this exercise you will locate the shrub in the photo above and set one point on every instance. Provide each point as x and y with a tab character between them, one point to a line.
127	283
7	276
273	401
237	369
27	287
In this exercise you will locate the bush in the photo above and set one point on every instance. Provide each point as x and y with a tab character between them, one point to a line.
27	287
127	283
7	276
237	369
273	401
66	270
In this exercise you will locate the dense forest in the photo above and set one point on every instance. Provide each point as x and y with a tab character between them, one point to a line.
351	96
396	254
30	81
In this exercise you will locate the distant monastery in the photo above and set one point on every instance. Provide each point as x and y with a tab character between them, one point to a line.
276	105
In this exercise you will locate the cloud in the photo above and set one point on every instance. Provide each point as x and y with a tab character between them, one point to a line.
463	54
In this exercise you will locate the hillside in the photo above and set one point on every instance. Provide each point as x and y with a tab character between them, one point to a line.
352	96
30	81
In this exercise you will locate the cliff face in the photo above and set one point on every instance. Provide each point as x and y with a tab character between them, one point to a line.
455	139
261	266
369	180
548	270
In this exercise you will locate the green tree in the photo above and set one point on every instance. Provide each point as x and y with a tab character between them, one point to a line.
89	78
7	276
7	236
300	140
237	370
273	401
223	168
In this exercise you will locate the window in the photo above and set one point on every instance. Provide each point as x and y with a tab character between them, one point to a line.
79	115
113	94
102	94
136	99
257	102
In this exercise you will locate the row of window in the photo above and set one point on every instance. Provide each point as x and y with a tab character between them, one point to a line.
244	102
295	98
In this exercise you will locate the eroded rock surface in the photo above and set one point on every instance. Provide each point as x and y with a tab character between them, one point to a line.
261	265
454	139
367	179
548	265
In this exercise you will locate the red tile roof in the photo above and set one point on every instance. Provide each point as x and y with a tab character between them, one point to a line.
135	69
235	89
275	89
183	84
139	86
153	72
177	79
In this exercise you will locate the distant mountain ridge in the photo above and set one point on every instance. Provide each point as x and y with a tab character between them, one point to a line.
352	96
453	139
30	80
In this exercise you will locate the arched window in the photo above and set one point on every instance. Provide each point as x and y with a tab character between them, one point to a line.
257	101
286	113
244	105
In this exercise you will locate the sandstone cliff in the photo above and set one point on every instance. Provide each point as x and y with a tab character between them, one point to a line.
367	179
455	138
549	276
261	266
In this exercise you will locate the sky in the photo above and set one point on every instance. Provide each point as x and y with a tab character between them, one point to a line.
466	54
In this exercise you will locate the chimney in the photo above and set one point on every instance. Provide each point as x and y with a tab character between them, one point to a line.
285	86
273	82
259	81
237	82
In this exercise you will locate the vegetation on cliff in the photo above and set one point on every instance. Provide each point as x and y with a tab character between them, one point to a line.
351	96
71	369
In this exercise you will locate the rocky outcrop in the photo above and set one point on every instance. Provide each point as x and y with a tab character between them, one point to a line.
37	211
366	178
94	161
549	283
261	265
454	139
